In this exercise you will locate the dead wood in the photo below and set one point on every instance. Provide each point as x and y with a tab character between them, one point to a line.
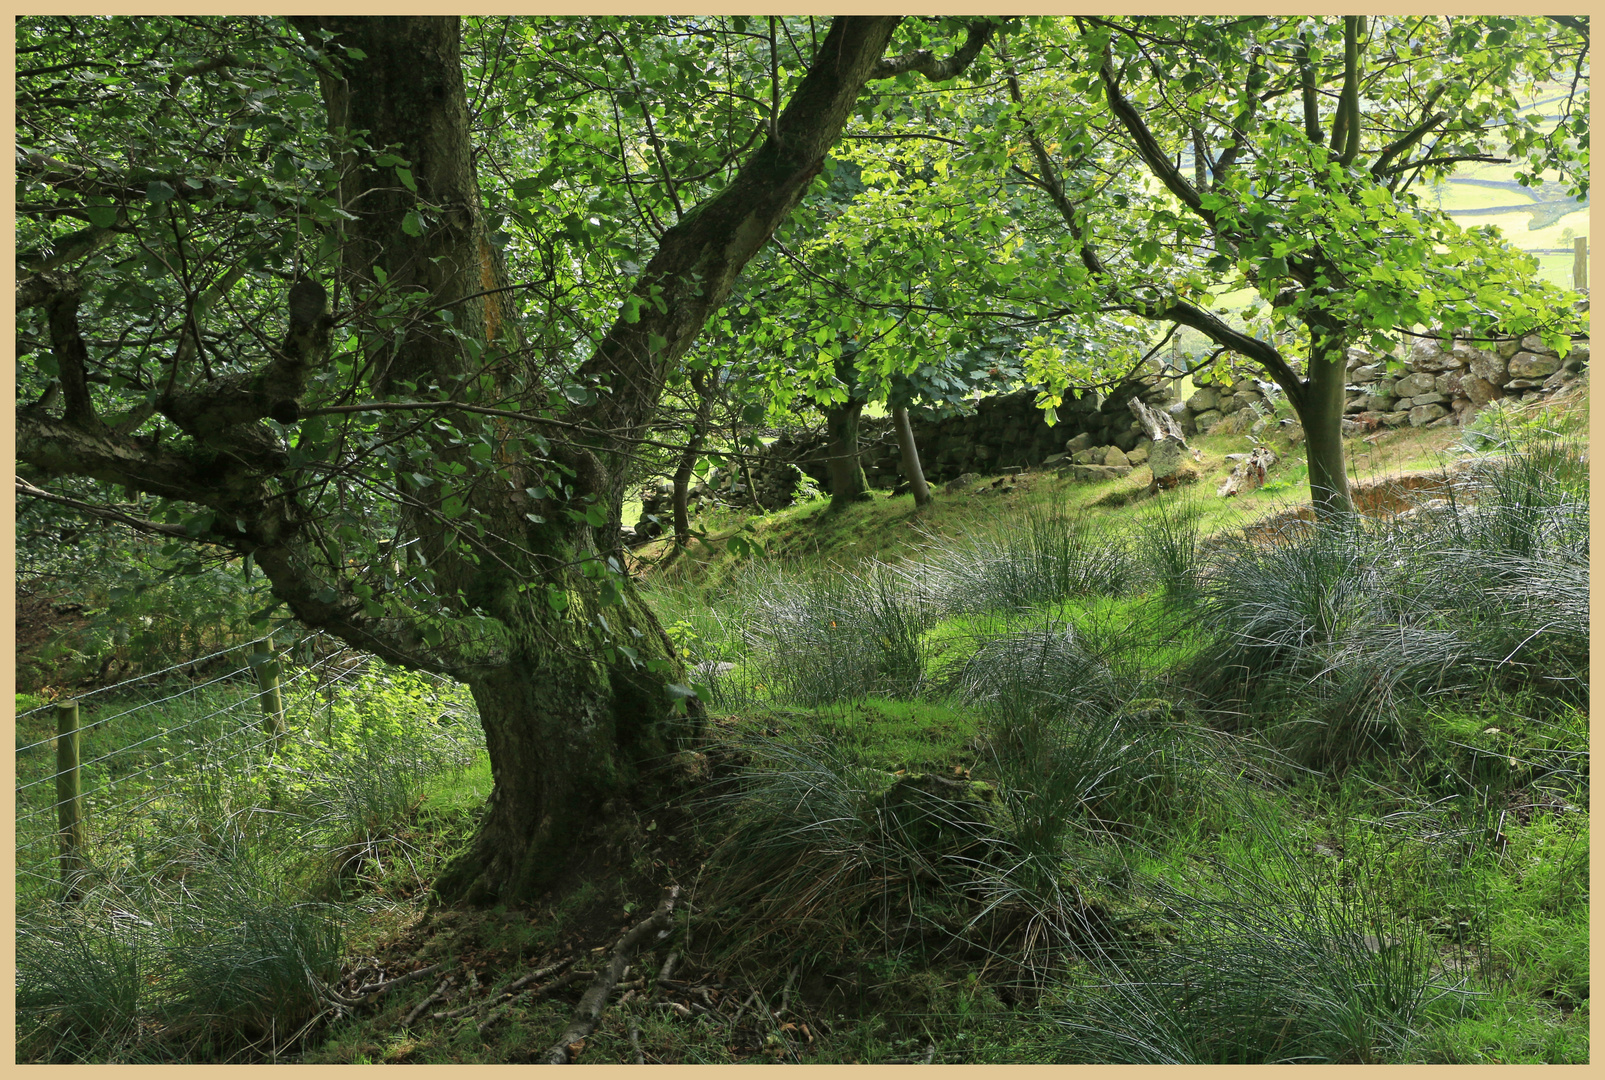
589	1012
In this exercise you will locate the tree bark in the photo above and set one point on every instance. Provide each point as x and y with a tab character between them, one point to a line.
571	672
847	481
688	457
911	457
1320	411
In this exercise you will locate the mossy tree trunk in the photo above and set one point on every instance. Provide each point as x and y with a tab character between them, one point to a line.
511	591
847	481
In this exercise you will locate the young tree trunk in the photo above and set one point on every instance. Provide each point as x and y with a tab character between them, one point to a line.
1320	411
847	481
911	457
688	457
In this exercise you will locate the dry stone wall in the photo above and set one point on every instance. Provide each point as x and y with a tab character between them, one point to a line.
1098	437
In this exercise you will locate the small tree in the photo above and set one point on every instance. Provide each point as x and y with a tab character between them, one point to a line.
1307	136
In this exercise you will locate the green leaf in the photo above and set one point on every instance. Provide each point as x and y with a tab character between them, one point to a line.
411	224
102	217
355	53
405	176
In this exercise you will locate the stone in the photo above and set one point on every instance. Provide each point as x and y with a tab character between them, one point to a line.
1480	391
1449	382
1527	365
1183	416
1379	403
1490	368
1421	415
1429	399
1116	456
1203	400
1165	457
1365	373
1356	403
1507	349
1419	382
1446	421
1534	344
1426	354
1054	460
1093	473
1085	457
1207	420
1238	423
959	483
1245	386
1579	350
1127	440
1523	384
1138	454
1079	443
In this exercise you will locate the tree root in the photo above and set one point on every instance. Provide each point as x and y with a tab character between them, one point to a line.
589	1012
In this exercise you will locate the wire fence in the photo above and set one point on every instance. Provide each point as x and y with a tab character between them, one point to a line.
165	746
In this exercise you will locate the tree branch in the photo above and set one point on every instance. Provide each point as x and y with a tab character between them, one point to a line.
925	62
106	513
1152	154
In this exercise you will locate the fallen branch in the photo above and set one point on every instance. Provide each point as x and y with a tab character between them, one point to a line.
418	1009
381	987
539	973
502	1009
635	1039
1249	474
589	1012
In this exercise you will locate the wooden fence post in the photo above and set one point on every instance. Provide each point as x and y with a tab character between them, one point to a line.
69	792
1580	264
267	678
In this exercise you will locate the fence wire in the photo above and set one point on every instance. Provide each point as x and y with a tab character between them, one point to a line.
146	677
215	746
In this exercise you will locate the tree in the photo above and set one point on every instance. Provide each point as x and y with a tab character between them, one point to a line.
419	401
1307	136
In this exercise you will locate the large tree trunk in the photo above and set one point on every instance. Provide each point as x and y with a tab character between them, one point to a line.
572	674
847	481
911	457
578	699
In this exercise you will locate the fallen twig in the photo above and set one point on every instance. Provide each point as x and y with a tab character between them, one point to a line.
589	1012
418	1009
381	987
528	995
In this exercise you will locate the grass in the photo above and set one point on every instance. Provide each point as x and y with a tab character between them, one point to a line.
1318	796
222	880
1028	777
